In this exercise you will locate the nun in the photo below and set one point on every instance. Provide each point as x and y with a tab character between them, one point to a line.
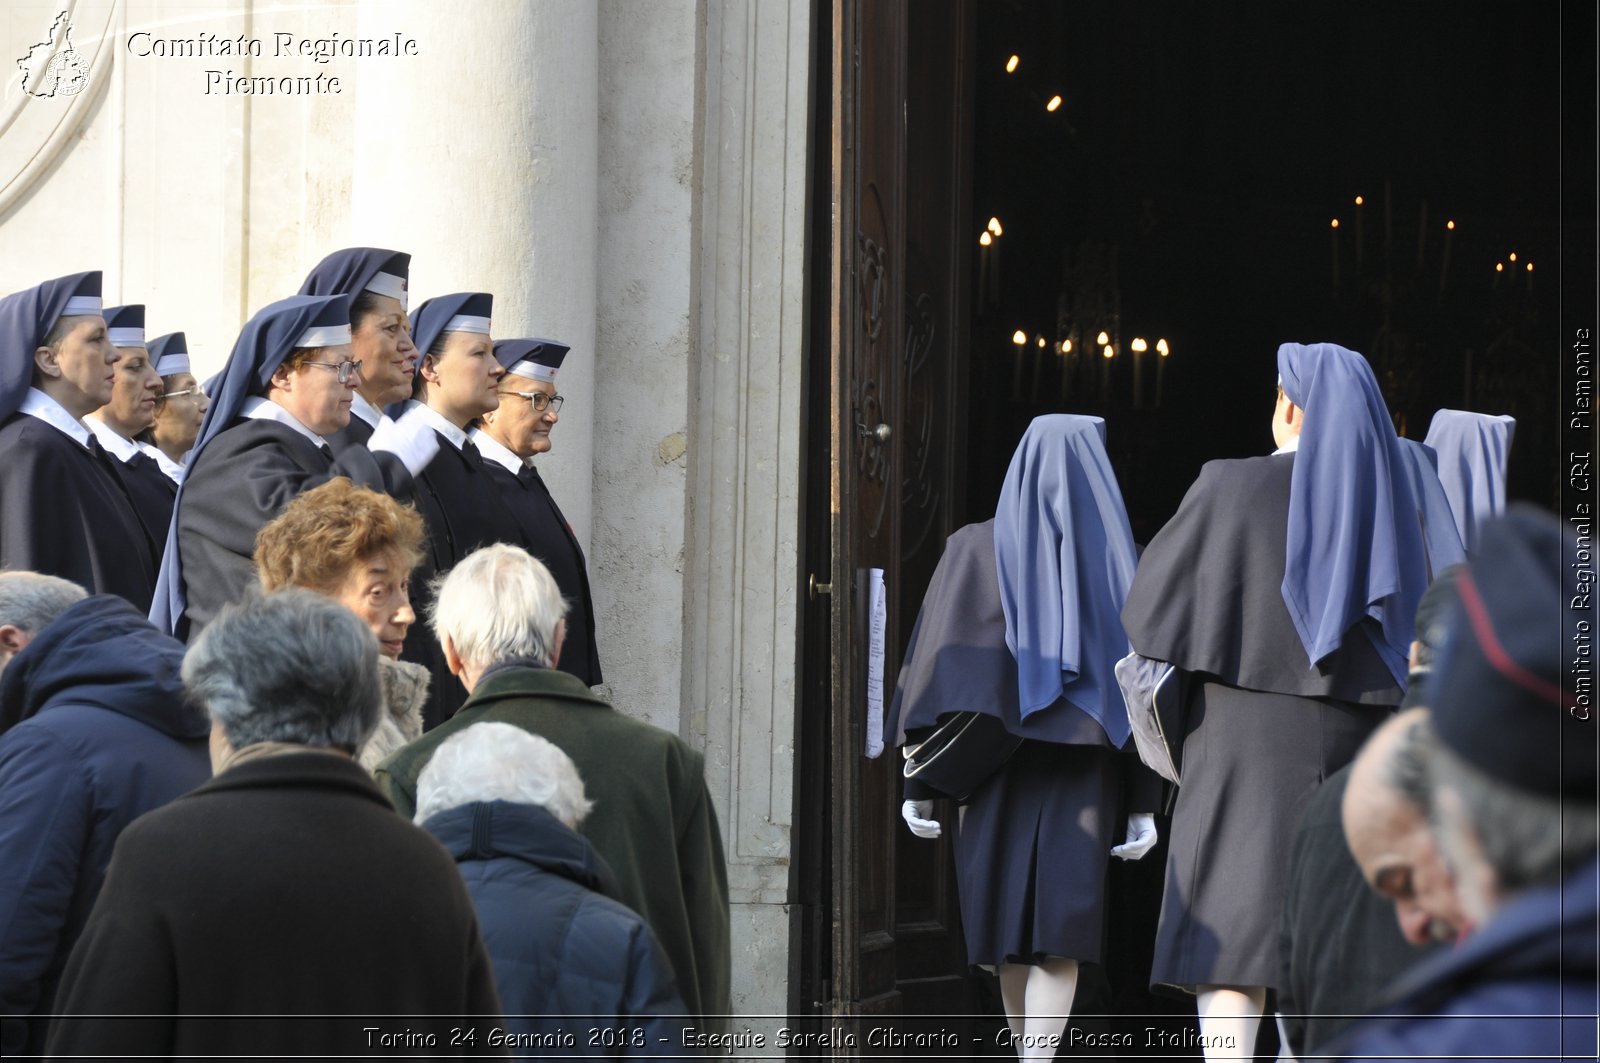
375	279
180	408
508	437
457	383
131	411
287	386
1285	590
1020	624
63	509
1472	449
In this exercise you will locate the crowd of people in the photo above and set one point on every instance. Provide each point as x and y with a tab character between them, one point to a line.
243	625
218	687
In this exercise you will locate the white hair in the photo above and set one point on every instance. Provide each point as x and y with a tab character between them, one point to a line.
499	762
499	602
31	601
290	666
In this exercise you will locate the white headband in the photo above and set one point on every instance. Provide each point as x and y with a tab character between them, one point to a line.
467	323
172	364
324	336
126	337
532	370
82	304
390	285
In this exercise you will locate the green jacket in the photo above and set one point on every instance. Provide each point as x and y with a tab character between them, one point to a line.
653	820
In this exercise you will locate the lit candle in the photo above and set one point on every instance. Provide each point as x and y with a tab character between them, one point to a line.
1359	240
1530	278
1334	229
1138	347
1038	367
1105	373
1020	340
1162	350
1066	365
984	240
1444	266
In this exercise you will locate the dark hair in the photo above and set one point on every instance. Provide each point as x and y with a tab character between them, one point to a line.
362	307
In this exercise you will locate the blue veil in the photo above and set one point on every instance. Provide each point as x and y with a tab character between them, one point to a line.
1473	449
26	318
1065	557
1354	544
266	340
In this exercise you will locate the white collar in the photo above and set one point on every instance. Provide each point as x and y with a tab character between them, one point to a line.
260	409
1289	447
173	469
124	450
360	407
37	404
493	449
421	411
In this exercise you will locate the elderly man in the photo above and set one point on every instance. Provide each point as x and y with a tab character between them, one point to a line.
500	621
507	804
1512	784
282	909
94	732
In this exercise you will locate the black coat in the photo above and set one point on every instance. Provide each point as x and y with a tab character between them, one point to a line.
64	512
243	479
548	536
286	886
153	493
565	957
94	732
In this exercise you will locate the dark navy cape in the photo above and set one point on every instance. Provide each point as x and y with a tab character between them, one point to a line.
152	492
241	480
355	434
1208	598
461	507
64	512
549	537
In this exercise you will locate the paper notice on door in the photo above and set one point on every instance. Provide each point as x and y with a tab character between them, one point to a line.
877	626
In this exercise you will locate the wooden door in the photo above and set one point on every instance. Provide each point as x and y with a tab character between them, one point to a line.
889	349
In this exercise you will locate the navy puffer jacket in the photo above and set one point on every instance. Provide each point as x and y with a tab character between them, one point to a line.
560	947
94	732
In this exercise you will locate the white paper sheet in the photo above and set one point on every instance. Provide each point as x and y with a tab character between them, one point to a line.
877	626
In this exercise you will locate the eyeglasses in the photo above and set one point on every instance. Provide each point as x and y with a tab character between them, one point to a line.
540	401
181	392
346	369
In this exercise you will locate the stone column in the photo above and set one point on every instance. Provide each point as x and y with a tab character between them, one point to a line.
479	157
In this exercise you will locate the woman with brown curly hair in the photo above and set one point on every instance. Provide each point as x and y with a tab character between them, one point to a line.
358	547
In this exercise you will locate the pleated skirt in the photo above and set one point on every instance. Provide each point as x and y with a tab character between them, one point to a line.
1250	762
1031	851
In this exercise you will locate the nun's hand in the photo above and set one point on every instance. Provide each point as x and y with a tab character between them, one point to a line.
1141	836
918	816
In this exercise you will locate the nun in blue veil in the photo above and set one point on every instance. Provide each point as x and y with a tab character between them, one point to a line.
1285	587
1020	623
1472	449
1441	540
286	387
63	508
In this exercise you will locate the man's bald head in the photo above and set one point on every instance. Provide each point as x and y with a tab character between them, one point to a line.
1385	815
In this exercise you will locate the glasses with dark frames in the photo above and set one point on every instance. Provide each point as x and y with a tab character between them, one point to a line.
346	369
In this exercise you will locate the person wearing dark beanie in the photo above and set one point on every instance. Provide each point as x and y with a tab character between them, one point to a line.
1513	789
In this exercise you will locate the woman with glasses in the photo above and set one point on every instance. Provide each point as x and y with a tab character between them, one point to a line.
456	383
180	406
287	386
508	437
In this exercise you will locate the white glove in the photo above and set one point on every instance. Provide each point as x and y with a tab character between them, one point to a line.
1141	836
916	814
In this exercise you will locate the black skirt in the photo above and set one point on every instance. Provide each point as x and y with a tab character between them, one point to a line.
1031	852
1250	762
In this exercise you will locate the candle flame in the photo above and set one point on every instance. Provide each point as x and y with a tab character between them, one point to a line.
1055	101
1102	339
1335	223
1011	64
1066	345
994	226
984	239
1499	267
1450	225
1138	345
1530	267
1109	351
1019	337
1041	341
1359	201
1513	256
1162	348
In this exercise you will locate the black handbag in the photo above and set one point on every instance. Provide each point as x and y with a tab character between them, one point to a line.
961	753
